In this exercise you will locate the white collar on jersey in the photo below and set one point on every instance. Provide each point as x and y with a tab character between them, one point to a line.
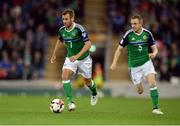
140	32
71	28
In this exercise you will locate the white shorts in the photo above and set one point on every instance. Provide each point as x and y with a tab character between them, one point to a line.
138	73
83	67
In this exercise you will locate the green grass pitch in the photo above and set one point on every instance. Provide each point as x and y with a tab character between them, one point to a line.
34	110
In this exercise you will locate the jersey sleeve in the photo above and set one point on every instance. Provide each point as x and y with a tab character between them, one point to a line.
124	41
83	33
60	34
151	40
84	36
60	38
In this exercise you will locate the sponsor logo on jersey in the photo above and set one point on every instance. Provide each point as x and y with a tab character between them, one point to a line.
144	37
133	39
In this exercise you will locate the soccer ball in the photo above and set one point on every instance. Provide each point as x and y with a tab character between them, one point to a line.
57	105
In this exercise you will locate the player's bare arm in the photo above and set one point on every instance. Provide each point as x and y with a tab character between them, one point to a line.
83	50
53	57
154	52
116	57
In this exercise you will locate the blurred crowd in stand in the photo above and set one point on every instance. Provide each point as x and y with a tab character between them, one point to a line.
24	29
162	18
26	24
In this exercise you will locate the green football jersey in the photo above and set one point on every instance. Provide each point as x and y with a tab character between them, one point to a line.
74	40
137	46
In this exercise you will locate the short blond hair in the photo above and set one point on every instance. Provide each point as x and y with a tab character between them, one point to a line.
137	16
69	11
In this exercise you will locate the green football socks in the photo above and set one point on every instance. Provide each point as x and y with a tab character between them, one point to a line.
154	97
68	90
92	87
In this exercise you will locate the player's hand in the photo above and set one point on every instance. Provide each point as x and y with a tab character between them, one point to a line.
73	58
53	59
151	55
113	66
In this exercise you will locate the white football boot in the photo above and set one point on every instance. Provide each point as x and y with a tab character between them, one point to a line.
157	111
71	107
94	100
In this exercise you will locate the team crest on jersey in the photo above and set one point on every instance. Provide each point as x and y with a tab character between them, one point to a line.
63	35
73	34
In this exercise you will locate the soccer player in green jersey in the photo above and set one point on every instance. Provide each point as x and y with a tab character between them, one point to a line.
136	41
77	44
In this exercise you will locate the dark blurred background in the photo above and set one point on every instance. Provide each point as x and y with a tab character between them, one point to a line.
29	28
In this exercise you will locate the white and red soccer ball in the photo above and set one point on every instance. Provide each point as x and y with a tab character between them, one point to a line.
57	105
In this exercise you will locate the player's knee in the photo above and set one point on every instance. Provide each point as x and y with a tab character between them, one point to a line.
140	91
152	85
151	80
87	81
64	77
139	88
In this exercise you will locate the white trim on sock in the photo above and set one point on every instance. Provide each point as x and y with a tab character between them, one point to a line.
92	83
154	88
66	81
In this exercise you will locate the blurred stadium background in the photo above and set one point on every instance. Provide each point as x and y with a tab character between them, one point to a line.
28	32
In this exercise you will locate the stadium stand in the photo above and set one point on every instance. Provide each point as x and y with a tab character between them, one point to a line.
28	27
